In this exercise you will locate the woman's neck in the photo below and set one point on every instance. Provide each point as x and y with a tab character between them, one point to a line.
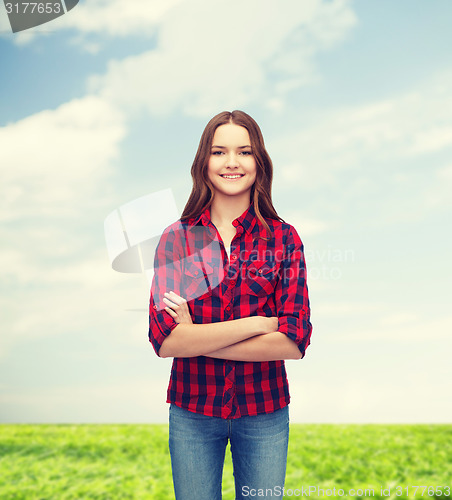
225	209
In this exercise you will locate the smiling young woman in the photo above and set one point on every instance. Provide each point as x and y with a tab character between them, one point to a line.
229	302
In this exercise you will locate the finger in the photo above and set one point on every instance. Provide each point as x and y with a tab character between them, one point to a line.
170	303
170	312
174	305
176	298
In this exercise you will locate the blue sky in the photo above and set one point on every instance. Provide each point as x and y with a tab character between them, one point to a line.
107	103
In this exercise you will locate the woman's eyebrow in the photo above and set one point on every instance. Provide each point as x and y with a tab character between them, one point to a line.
224	147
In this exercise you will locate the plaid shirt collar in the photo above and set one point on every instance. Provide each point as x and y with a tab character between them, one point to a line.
248	220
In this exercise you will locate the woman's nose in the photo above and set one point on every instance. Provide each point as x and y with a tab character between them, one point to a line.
232	160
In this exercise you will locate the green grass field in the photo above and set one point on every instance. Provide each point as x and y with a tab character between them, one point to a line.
132	461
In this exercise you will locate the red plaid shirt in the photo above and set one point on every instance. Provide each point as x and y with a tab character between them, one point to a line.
259	278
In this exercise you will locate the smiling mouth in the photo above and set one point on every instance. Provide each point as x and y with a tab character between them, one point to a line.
231	176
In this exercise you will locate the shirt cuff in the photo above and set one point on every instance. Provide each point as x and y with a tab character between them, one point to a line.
161	324
297	329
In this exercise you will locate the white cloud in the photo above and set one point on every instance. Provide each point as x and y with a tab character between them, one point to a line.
210	57
55	168
201	27
445	173
432	140
132	401
118	18
362	398
336	309
53	160
114	18
400	318
303	224
48	298
5	27
348	138
399	327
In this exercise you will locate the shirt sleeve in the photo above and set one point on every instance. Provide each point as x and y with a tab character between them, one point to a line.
291	294
167	273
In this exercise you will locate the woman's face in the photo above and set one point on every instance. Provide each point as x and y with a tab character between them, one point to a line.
232	166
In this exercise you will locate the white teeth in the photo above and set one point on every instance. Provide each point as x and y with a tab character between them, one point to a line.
231	176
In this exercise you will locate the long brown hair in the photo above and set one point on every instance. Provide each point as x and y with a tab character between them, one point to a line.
202	192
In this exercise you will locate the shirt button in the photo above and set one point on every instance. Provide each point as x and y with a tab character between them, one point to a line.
232	282
234	223
233	257
228	308
260	271
155	307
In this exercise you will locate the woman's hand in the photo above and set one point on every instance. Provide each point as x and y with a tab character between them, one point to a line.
260	325
177	308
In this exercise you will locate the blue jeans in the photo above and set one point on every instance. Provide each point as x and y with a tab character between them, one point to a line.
197	446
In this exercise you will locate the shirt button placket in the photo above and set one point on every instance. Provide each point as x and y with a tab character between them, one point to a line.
230	290
229	382
229	368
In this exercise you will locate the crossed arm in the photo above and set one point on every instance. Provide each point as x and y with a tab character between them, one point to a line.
246	339
266	347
